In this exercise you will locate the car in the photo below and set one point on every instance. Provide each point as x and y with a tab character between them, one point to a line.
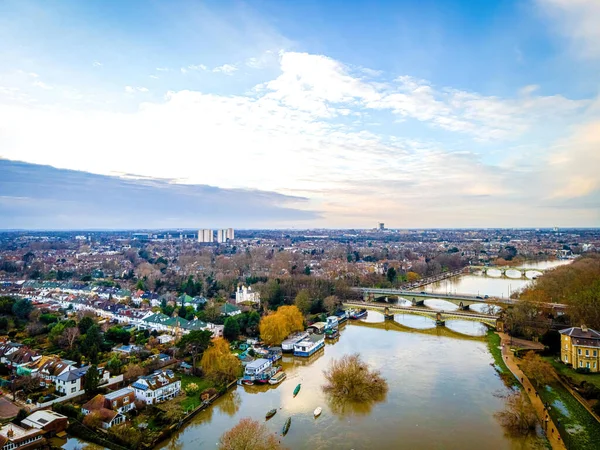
486	296
423	292
479	297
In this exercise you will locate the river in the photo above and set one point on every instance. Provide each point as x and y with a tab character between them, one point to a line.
442	395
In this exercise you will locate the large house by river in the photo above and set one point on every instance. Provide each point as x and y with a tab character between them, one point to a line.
580	347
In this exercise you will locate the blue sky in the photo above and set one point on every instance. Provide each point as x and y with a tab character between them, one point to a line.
416	113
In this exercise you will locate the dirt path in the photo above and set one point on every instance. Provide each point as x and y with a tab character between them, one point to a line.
547	422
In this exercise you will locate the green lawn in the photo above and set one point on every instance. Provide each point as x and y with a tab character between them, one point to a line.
567	371
579	429
192	402
493	341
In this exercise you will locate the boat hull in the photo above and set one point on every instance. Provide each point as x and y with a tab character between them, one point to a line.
310	352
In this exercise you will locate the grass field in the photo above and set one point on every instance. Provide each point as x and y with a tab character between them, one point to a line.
193	402
563	369
493	341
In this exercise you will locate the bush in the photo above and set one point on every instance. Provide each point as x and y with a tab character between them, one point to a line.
582	370
191	389
350	378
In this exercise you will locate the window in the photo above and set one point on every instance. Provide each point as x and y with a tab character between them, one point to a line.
579	351
73	390
587	353
566	358
587	365
114	403
594	365
595	352
580	363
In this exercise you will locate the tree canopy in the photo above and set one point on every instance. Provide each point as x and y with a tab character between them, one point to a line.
219	364
249	434
275	327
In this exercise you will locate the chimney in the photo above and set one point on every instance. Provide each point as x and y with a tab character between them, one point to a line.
584	328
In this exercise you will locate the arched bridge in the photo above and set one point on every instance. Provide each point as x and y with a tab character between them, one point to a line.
503	269
458	299
438	316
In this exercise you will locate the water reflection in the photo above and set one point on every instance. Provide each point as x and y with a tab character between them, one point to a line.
431	377
494	273
230	404
414	321
484	308
467	327
512	273
440	305
545	264
531	274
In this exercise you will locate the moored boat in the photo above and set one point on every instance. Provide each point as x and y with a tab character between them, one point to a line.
270	413
247	382
331	333
286	426
277	378
358	314
297	389
318	411
309	345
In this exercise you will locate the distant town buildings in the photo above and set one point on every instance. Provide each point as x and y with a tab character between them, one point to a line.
580	347
246	294
381	226
205	235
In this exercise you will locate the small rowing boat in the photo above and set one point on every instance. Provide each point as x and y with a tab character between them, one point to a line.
318	412
270	414
297	390
286	426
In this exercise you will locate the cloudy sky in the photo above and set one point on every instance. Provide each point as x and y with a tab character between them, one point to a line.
299	114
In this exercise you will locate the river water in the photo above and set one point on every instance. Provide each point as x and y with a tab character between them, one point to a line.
441	395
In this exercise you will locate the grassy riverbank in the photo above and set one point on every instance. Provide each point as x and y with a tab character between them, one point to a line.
578	428
494	346
578	378
193	401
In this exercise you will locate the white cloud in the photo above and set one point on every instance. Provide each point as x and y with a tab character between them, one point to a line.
131	89
163	69
197	67
285	136
579	21
227	69
154	77
42	85
97	64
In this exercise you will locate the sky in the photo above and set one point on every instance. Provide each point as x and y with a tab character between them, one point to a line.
270	114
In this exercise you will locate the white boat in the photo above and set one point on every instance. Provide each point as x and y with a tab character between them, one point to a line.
277	378
318	411
309	345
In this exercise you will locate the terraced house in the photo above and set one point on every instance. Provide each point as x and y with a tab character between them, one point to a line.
158	387
580	347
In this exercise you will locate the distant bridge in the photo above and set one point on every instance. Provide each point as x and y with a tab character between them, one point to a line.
488	319
503	269
461	300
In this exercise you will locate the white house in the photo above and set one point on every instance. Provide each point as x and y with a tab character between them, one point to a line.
161	386
72	381
246	294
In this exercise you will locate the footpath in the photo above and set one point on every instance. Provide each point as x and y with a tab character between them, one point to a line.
547	423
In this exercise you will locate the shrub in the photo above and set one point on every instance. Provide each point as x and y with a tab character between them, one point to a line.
191	389
350	378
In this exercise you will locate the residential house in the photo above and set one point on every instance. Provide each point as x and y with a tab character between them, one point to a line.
73	381
230	310
47	368
111	407
46	420
22	356
580	347
165	338
126	349
13	437
158	387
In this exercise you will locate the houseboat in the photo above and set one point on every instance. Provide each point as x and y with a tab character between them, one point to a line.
342	317
309	345
355	315
288	344
317	327
255	368
331	333
332	322
265	376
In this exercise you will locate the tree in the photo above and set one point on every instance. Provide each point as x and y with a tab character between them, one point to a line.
293	317
391	275
85	323
22	414
90	346
194	343
538	370
219	364
133	372
4	325
231	330
518	417
22	308
92	379
249	434
274	329
331	304
350	379
302	301
118	335
69	337
114	365
411	277
306	270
